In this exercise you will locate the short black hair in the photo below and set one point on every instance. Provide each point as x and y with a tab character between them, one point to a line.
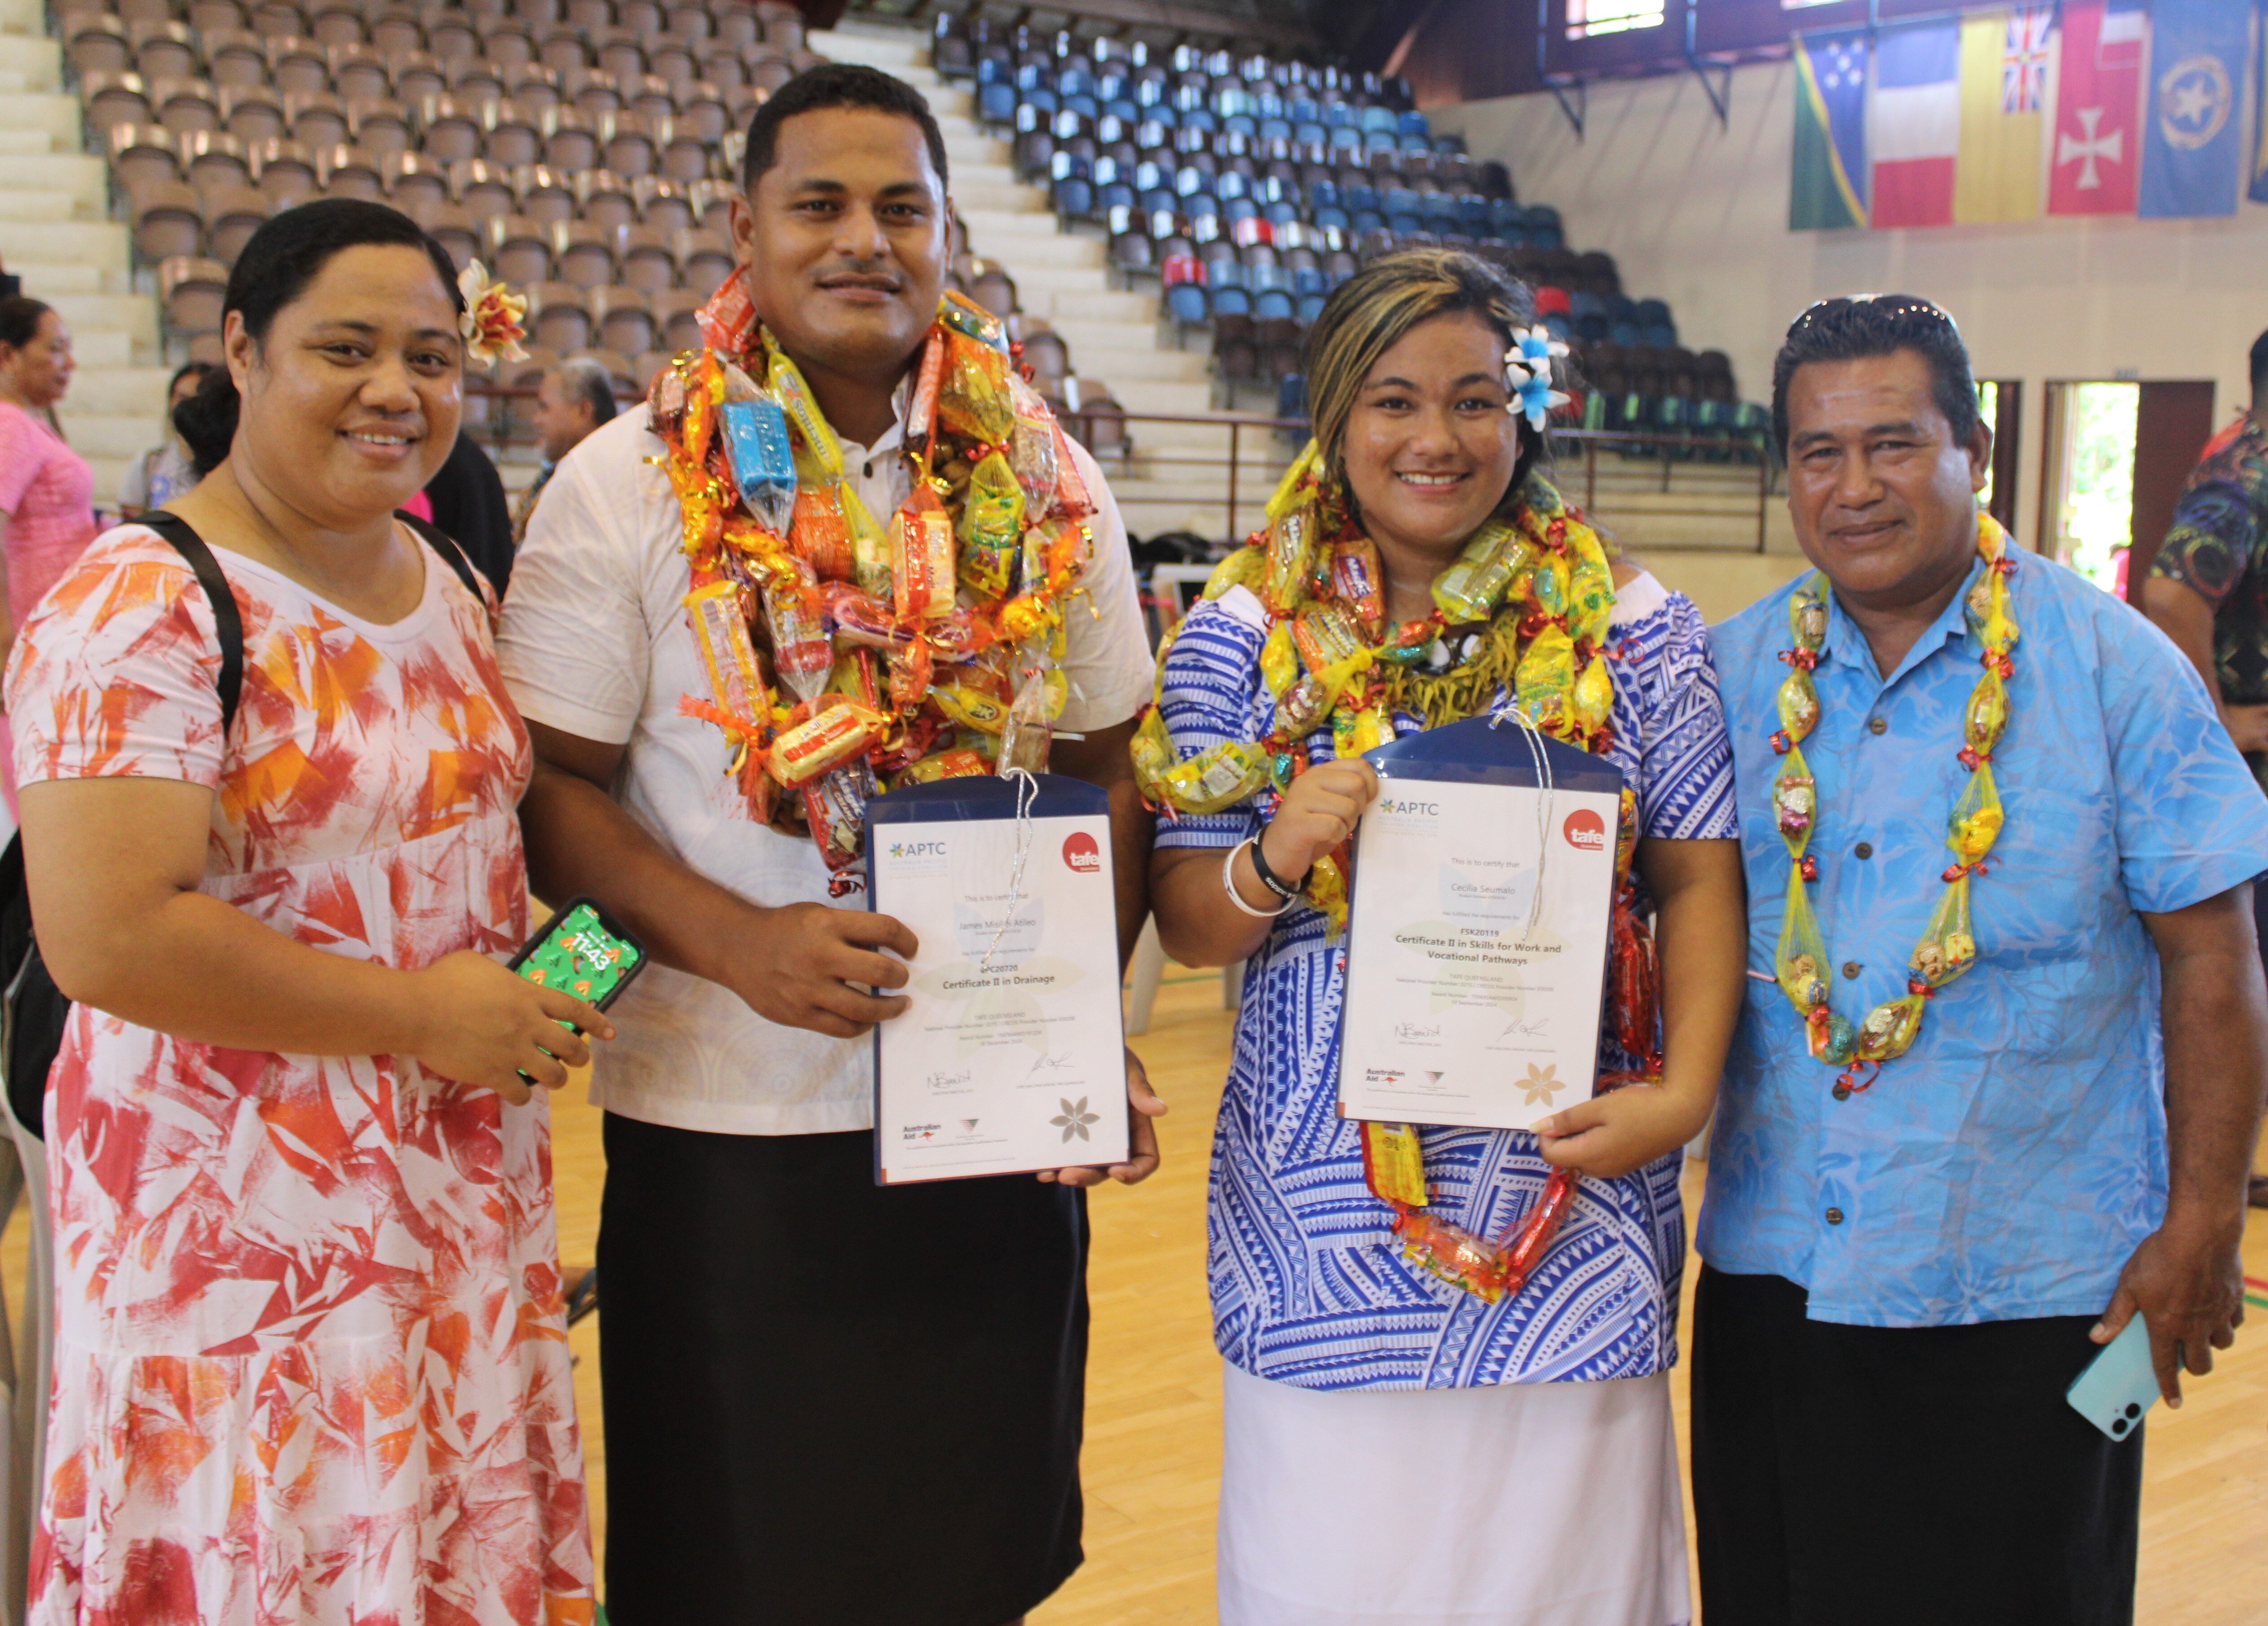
20	319
1848	329
2259	363
836	84
272	270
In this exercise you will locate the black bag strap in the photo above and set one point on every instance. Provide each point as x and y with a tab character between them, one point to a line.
227	623
441	542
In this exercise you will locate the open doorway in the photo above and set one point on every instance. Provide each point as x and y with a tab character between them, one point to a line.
2001	402
2114	455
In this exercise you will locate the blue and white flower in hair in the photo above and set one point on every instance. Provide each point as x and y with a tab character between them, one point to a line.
1528	375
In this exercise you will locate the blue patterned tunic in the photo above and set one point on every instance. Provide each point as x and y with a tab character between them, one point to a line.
1309	1286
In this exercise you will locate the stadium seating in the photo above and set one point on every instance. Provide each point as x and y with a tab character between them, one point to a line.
1249	185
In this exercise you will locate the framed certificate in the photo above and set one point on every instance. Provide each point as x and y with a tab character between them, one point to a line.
1013	1056
1476	945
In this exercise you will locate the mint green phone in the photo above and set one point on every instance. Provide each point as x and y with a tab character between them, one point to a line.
2119	1385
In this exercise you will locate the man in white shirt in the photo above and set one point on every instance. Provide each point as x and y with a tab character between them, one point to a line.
825	1400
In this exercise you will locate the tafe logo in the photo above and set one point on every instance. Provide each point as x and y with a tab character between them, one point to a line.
1081	852
1404	805
1585	831
917	850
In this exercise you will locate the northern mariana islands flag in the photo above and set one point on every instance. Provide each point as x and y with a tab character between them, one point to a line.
2193	155
1914	125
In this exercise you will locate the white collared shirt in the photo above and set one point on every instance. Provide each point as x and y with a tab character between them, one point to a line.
594	642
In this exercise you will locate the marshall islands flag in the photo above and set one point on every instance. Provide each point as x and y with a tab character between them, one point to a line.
1827	184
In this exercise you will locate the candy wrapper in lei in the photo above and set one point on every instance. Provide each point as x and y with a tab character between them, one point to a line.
801	653
823	741
1476	581
1024	739
834	807
1032	449
922	566
763	461
735	678
869	544
991	527
974	399
1545	678
819	537
1359	584
810	426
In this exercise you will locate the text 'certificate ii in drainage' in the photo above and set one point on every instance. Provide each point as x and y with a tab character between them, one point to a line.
1477	952
1013	1056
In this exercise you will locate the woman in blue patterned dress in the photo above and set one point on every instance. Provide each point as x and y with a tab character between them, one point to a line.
1401	1451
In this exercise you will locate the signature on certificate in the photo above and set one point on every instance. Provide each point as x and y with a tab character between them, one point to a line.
1530	1029
1045	1063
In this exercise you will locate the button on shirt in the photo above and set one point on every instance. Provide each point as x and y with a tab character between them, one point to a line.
594	642
2007	1164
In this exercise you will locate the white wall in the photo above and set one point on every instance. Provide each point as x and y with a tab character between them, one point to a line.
1695	213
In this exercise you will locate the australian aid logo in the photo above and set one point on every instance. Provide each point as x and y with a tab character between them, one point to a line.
1081	854
1586	831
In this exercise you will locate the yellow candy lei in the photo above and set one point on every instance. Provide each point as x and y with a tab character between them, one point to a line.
1949	947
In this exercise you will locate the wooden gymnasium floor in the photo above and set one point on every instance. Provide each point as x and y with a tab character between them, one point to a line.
1154	1382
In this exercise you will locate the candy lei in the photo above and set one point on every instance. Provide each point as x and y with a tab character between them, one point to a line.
1949	947
1540	589
844	655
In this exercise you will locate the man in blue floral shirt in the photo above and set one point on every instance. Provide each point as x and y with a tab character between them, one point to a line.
1908	1263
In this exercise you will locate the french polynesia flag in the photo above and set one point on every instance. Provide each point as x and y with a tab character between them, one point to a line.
1914	124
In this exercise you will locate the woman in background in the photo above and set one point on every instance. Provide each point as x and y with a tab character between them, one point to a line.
1405	1444
46	490
165	471
310	1363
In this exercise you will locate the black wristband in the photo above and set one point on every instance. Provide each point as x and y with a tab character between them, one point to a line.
1269	879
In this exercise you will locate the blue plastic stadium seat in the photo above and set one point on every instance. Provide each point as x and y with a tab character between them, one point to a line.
1185	302
1274	129
1339	115
1306	279
1402	200
1324	194
1236	208
1346	139
1649	312
1283	212
1364	220
1272	304
1309	135
1581	303
1311	306
1541	218
1405	225
1291	396
1231	183
1662	336
1304	109
1200	205
1114	195
1591	328
1624	333
1360	195
1376	118
1197	119
1440	210
1230	301
1074	197
1119	108
1415	123
1558	327
1043	100
1415	143
996	103
1329	216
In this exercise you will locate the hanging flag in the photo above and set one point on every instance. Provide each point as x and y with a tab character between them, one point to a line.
1826	185
2259	190
1914	124
2192	150
2098	137
2004	77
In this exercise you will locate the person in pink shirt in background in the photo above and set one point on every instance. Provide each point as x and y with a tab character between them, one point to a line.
46	490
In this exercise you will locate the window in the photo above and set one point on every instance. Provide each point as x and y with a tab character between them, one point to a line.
1585	17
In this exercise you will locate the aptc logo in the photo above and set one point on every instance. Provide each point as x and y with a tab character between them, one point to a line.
917	850
1586	831
1081	853
1403	805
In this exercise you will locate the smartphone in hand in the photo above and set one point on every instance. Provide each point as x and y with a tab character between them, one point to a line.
583	951
2119	1385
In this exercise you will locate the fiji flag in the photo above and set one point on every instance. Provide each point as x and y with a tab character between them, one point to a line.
2191	151
1827	184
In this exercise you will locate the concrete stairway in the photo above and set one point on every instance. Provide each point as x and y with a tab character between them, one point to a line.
56	234
1176	476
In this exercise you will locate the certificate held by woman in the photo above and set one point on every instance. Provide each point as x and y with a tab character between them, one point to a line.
1476	948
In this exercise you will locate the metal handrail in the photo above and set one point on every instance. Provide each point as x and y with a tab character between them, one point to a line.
503	433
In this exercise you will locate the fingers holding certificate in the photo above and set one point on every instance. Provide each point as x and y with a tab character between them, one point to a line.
1011	1057
1142	1158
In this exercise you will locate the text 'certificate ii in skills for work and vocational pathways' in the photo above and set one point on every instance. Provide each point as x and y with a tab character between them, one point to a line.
1477	944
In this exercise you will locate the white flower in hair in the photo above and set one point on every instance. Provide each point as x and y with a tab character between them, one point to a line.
493	322
1527	374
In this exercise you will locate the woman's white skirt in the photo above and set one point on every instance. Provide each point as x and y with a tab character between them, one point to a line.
1523	1504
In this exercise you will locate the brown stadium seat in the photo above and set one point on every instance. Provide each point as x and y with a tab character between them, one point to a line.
484	190
454	229
191	290
165	50
625	320
584	254
113	98
664	203
347	171
285	171
168	221
570	143
546	195
619	52
412	179
233	214
298	64
519	250
628	145
317	119
214	159
559	316
514	134
675	309
702	109
94	43
474	81
206	16
508	42
449	130
380	124
252	113
278	20
417	75
705	258
186	105
607	199
451	36
649	263
397	30
360	72
337	22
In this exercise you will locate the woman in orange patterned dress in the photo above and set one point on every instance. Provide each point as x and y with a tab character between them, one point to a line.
311	1364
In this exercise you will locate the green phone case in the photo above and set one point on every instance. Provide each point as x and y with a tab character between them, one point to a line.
581	951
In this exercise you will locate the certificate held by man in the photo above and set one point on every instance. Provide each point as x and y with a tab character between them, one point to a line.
1011	1058
1477	951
